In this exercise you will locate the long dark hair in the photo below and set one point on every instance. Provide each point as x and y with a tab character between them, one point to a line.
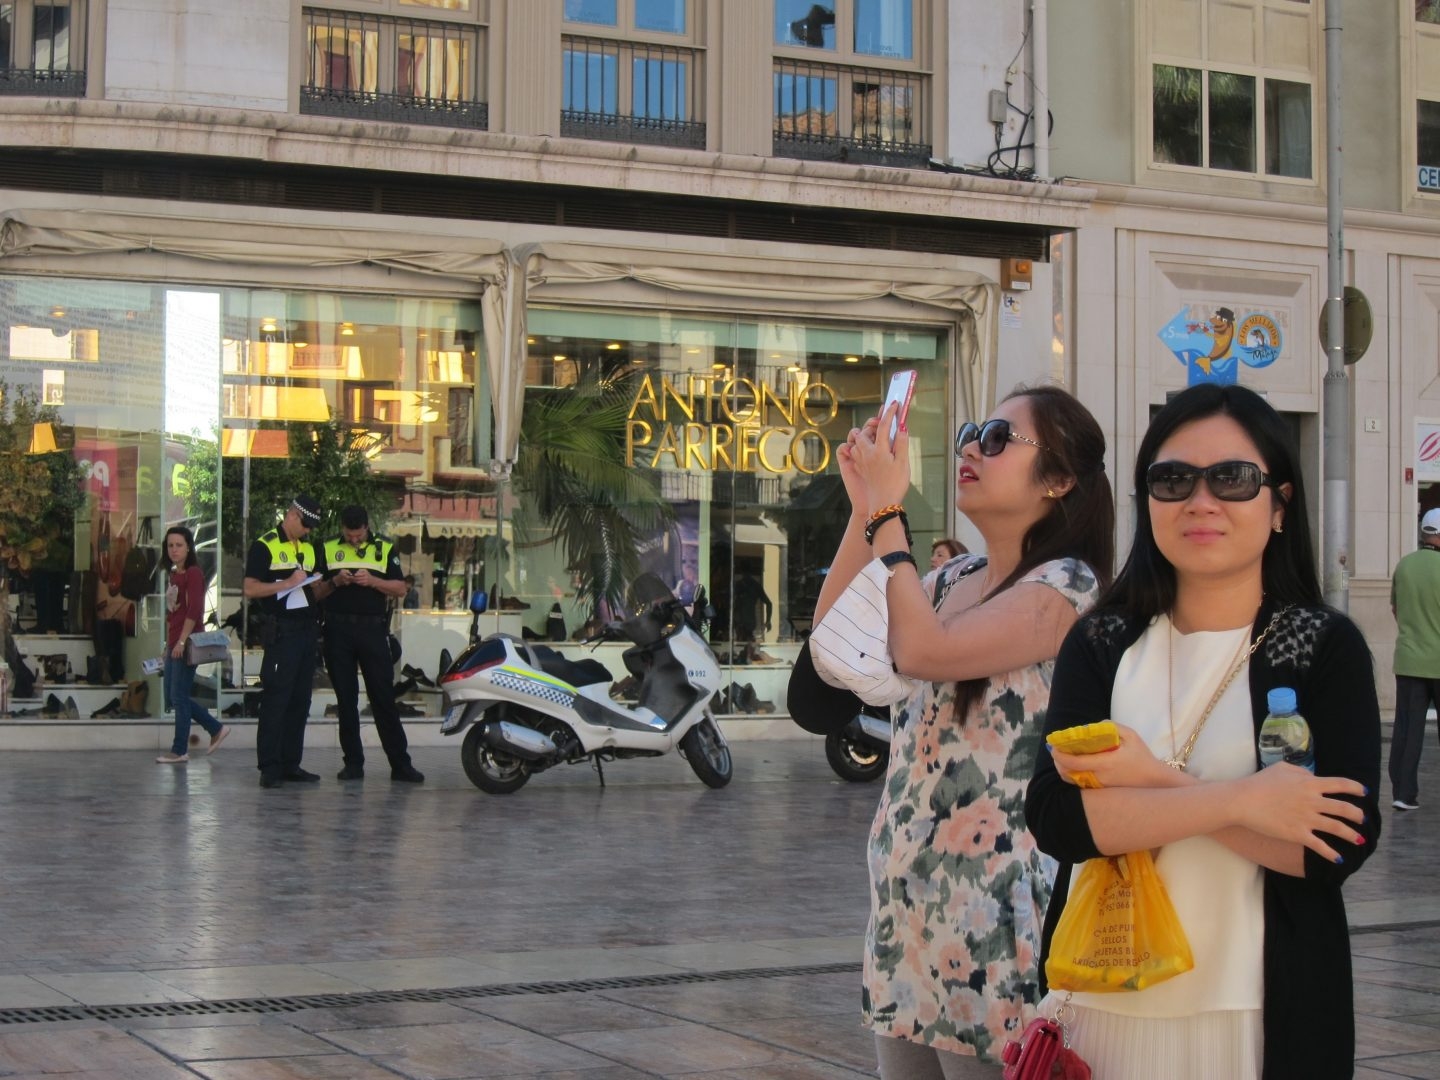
1146	584
189	538
1080	524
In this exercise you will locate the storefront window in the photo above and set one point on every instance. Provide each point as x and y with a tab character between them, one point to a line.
208	408
726	430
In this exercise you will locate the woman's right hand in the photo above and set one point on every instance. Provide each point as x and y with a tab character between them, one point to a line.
850	475
1287	803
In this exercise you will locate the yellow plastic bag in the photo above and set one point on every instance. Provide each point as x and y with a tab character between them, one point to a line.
1119	930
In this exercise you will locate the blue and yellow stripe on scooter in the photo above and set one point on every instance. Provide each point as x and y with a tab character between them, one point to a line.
525	681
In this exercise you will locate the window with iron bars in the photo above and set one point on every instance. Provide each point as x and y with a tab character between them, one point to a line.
626	91
381	67
42	47
831	112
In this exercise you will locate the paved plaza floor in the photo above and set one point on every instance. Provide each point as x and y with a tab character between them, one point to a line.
160	922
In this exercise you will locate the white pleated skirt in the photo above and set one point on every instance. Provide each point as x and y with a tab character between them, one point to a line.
1207	1046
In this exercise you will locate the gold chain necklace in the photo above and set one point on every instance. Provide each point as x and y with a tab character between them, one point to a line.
1179	759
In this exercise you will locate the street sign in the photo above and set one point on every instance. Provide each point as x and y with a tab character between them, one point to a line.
1359	325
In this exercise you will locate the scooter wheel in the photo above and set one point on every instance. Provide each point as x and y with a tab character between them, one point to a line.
707	753
853	761
492	771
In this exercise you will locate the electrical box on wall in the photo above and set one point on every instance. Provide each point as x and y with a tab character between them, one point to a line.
1015	274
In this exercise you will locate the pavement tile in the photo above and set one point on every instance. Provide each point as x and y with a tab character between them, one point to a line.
380	1014
750	999
568	964
1420	1066
329	1067
255	980
1379	1038
479	1048
561	1014
427	973
840	1041
48	1050
112	988
805	1070
254	1041
676	1049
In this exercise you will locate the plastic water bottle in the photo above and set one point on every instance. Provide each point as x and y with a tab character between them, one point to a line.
1285	736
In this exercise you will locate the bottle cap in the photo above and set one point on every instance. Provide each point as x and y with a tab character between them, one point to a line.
1281	700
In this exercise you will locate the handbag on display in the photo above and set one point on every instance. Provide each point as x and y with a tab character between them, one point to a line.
207	647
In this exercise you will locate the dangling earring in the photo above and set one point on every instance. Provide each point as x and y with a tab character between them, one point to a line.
1278	527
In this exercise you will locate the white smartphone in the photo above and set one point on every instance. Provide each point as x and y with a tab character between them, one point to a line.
902	388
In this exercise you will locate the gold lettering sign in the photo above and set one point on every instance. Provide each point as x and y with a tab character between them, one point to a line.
736	425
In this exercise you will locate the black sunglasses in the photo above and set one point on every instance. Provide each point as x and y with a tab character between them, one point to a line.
1229	481
994	436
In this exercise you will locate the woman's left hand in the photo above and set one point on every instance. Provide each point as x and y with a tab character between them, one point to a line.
883	466
1131	764
178	652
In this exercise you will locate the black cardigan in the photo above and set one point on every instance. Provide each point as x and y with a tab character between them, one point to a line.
1309	1021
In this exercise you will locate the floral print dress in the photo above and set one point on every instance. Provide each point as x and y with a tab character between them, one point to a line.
958	887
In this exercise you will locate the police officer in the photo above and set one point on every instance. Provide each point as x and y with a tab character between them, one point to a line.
364	571
280	561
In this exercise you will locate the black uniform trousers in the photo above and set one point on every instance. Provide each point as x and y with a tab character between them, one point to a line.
287	674
363	640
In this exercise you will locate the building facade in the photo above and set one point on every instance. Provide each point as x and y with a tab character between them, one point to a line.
238	239
1203	254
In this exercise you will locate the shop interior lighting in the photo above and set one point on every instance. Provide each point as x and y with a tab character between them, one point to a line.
614	346
559	358
57	312
347	329
852	359
42	439
239	442
268	324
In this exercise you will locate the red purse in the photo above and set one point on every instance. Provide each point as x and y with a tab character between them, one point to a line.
1041	1054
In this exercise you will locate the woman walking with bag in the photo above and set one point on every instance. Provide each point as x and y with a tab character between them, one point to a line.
958	888
184	609
1219	603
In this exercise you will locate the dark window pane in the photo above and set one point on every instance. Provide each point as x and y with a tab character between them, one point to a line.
7	35
660	89
598	12
1427	11
799	22
1177	116
1287	128
52	25
805	105
589	83
1232	121
883	28
1427	144
666	16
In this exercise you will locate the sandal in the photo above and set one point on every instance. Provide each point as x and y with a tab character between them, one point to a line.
172	759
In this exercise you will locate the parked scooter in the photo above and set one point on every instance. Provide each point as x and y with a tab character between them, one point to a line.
860	751
528	708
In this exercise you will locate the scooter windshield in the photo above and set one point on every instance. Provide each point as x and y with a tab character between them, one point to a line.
646	591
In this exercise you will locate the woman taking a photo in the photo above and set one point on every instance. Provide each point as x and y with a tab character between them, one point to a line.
1217	604
958	888
184	609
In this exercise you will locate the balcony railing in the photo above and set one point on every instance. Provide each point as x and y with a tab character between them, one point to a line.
623	91
32	82
867	116
407	71
394	108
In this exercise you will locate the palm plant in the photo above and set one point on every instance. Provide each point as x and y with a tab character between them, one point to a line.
580	495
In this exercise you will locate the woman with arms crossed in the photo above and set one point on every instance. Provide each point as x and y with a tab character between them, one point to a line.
1218	603
958	888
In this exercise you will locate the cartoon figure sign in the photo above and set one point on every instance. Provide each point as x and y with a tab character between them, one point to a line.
1212	347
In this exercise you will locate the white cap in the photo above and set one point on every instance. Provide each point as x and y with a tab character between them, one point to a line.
1430	523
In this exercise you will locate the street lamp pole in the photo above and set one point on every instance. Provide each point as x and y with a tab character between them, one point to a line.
1336	461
